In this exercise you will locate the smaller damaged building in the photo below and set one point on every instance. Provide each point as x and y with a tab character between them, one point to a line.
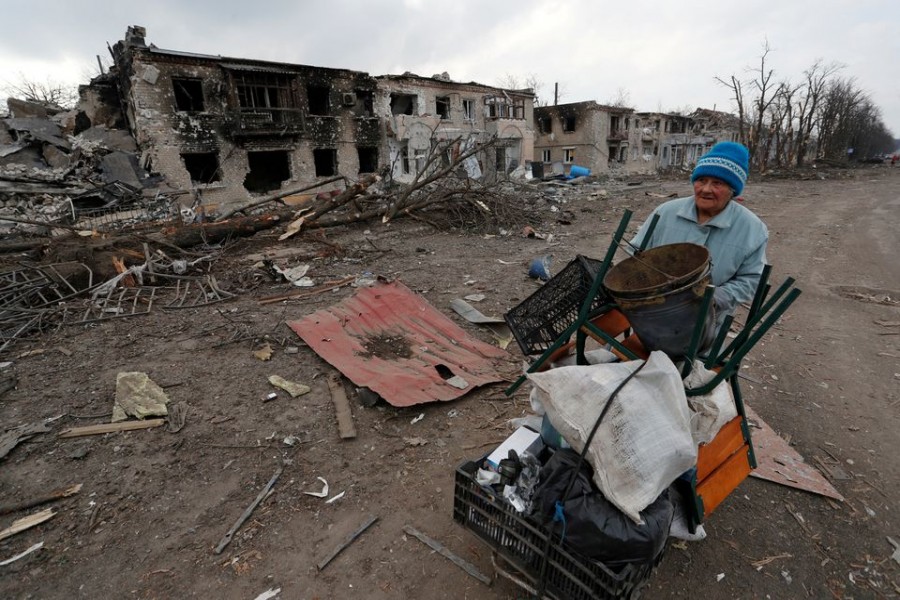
613	139
428	114
591	135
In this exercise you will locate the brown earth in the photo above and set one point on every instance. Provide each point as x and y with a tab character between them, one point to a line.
155	504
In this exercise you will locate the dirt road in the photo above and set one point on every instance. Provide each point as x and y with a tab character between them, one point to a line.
154	504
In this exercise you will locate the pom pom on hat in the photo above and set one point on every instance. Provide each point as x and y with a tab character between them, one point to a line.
728	161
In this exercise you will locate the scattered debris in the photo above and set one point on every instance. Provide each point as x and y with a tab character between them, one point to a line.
417	419
411	349
249	511
779	463
111	428
323	493
269	594
342	408
335	498
13	559
177	417
472	314
270	396
540	268
264	353
20	525
896	555
759	564
54	495
15	436
415	441
292	388
138	396
443	551
347	541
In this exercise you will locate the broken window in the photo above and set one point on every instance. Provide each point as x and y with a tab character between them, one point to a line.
501	159
188	94
665	152
568	155
614	124
569	124
626	124
504	107
623	153
365	103
318	98
368	159
545	124
203	166
267	170
468	110
403	104
326	161
442	106
265	99
545	156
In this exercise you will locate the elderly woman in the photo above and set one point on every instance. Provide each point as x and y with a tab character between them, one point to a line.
735	237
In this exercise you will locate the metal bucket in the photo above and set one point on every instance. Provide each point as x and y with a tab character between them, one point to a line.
661	292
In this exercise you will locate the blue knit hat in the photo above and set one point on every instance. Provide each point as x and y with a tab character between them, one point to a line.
728	161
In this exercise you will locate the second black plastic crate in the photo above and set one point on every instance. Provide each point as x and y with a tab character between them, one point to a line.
541	318
523	544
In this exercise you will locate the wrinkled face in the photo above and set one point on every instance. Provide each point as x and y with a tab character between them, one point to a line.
711	195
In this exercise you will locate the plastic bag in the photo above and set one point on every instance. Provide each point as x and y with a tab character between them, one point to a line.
590	524
712	411
644	442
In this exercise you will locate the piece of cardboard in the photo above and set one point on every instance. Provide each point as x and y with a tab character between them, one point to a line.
522	440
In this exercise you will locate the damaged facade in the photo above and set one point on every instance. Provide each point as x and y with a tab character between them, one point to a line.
227	128
422	112
610	139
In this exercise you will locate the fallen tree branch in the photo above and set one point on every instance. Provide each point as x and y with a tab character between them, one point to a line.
278	196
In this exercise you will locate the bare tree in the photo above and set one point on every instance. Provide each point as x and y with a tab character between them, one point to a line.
817	77
622	99
528	82
737	89
48	92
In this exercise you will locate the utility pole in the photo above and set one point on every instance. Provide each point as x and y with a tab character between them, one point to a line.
555	93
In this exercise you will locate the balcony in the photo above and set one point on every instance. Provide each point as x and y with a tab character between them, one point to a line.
618	135
250	122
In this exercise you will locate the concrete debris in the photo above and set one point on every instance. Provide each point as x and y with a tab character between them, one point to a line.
138	396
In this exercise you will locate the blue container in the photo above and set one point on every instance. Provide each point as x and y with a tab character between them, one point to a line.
576	171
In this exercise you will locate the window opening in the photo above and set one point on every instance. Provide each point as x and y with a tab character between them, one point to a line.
568	155
368	159
569	124
267	170
318	98
202	166
545	156
403	104
442	106
188	94
326	161
469	110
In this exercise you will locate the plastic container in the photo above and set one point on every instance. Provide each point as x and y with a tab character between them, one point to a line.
576	171
541	318
536	555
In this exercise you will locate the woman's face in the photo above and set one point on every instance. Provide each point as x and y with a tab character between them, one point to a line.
711	195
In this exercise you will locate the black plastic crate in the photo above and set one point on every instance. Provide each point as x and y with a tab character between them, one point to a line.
539	320
522	544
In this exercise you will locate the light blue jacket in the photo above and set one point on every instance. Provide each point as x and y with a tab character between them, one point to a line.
736	239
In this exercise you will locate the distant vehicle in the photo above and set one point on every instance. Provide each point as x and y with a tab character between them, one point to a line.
876	159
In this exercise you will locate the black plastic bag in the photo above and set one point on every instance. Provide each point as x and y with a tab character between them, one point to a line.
592	526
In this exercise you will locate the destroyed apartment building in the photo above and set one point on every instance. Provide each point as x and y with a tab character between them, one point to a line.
615	139
226	129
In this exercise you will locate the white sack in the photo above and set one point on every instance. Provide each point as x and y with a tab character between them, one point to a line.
644	442
711	411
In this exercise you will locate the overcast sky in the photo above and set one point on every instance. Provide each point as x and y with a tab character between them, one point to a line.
664	55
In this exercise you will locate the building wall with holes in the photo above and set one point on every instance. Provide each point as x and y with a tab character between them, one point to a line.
318	122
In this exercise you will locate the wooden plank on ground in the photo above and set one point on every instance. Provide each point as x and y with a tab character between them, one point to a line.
20	525
111	428
342	408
